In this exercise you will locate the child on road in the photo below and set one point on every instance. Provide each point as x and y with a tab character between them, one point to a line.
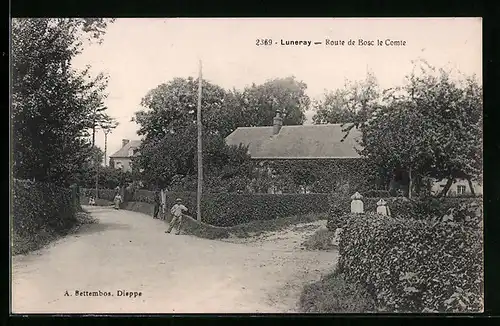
177	212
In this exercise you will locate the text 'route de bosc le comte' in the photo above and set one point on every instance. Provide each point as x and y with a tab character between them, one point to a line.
352	42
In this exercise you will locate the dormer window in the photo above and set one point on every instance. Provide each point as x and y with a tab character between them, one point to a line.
131	152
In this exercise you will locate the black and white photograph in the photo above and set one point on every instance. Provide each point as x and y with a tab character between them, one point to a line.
246	165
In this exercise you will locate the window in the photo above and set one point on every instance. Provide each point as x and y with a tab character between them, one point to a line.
118	165
460	189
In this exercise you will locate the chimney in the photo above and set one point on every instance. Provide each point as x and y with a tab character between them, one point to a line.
124	142
277	122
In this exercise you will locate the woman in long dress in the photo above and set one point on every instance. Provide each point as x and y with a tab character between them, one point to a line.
117	201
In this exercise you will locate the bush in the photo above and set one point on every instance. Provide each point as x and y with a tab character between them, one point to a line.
411	265
334	294
38	211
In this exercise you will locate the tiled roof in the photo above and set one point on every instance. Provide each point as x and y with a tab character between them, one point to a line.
297	142
124	151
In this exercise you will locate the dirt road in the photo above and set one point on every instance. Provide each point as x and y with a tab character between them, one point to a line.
129	252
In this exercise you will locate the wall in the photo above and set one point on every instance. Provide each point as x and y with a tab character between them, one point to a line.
437	186
125	161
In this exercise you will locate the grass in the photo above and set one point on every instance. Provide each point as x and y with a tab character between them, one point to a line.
255	228
333	294
23	244
320	240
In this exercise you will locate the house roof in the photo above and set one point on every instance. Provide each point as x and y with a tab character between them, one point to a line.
123	152
298	142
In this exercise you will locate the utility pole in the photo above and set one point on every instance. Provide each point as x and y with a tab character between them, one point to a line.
106	132
96	163
200	160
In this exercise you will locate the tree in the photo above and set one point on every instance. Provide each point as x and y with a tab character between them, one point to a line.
431	127
169	127
174	156
257	104
52	104
171	107
343	105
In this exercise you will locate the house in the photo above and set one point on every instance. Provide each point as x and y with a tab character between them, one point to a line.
123	157
459	188
321	143
302	144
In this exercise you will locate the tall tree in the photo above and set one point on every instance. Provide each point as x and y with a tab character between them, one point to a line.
258	103
51	102
431	127
171	106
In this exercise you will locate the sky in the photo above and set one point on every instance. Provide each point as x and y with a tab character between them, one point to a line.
138	54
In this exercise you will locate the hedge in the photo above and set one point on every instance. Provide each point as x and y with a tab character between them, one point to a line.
41	205
401	207
107	194
411	265
229	209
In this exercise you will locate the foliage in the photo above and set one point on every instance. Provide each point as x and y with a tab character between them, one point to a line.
321	239
321	176
334	294
38	211
344	105
109	178
256	105
431	127
52	104
172	107
412	265
169	124
227	209
104	194
172	160
425	208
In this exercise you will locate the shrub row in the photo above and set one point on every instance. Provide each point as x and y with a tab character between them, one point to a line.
228	209
41	206
401	207
411	265
106	194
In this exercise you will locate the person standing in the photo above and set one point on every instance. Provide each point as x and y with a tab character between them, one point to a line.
157	202
177	211
117	200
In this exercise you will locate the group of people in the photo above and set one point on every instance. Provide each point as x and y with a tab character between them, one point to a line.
177	212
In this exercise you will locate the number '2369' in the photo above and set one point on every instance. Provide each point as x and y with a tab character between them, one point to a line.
266	41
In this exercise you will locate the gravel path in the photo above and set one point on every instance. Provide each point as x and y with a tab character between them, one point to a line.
128	253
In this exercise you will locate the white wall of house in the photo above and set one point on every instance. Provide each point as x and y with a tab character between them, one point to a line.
460	187
122	163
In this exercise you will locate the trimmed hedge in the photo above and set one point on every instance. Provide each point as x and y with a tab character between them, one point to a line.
41	205
39	212
411	265
401	207
229	209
